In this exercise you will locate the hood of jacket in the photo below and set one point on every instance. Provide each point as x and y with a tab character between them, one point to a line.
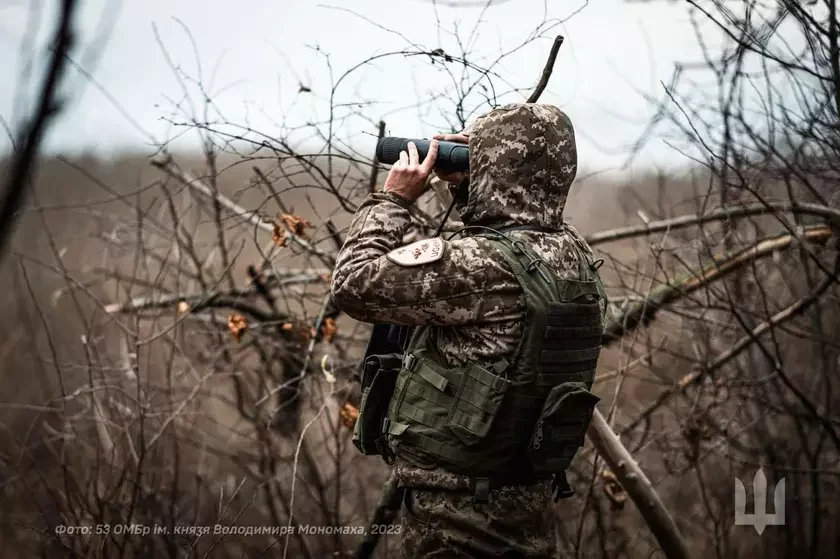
523	159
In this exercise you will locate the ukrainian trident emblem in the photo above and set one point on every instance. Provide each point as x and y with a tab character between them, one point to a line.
760	518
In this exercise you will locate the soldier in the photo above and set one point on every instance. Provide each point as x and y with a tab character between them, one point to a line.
491	399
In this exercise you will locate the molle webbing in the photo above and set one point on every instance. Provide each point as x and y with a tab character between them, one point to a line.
503	419
569	353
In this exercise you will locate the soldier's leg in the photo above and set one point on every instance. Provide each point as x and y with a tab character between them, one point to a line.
516	522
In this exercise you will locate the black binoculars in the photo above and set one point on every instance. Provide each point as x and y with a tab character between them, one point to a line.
451	156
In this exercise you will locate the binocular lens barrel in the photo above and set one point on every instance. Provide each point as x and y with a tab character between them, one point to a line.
451	156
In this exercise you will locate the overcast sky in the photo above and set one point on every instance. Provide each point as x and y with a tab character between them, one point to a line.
253	56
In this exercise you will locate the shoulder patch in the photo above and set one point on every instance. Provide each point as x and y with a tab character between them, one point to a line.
420	252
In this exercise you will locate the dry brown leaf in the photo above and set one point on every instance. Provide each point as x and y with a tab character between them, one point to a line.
296	224
278	235
183	307
302	330
349	414
329	330
238	325
615	492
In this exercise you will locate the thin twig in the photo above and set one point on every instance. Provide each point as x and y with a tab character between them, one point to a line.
643	311
546	73
737	348
249	216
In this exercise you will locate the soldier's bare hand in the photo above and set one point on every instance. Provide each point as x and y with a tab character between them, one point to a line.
454	177
459	138
408	176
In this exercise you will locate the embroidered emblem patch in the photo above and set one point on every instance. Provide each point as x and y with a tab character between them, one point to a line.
421	252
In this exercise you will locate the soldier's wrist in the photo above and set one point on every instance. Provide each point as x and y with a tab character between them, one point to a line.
398	199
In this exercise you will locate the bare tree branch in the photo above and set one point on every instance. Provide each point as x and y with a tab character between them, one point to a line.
46	110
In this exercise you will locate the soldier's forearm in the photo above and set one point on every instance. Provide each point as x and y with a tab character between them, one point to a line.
377	228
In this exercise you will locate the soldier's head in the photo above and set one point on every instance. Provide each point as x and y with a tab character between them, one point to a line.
523	159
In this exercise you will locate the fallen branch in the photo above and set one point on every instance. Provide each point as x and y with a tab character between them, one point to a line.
638	487
695	376
642	311
831	215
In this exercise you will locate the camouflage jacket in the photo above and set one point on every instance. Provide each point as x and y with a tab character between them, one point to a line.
522	163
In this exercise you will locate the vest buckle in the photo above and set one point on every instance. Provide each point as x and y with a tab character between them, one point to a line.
500	367
482	490
409	361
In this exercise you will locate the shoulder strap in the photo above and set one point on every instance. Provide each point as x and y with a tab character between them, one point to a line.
538	228
517	252
524	263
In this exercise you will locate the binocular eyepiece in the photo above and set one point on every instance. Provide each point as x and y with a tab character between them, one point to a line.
451	156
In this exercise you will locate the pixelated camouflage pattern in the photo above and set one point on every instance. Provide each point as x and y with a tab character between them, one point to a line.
411	476
468	285
523	159
470	293
515	522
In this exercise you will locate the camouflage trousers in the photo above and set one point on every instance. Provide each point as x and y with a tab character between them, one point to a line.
518	521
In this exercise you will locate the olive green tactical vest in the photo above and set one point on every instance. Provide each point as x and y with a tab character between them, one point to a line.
524	417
